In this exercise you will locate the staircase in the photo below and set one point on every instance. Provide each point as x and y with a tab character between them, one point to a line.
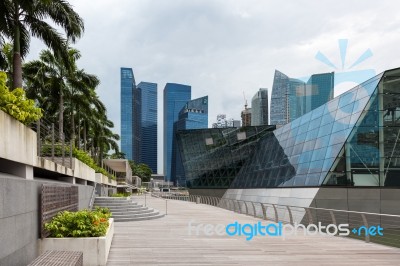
125	210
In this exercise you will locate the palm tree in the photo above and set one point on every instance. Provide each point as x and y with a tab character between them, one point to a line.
21	19
57	81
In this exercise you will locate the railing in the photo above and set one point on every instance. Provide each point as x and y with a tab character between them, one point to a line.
362	225
92	197
51	144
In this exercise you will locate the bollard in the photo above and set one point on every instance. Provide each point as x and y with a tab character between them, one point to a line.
197	200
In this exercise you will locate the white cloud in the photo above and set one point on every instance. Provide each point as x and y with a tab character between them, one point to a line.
222	48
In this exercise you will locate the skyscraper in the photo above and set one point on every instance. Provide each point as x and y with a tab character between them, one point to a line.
127	86
319	90
194	115
175	98
138	120
259	108
147	118
291	98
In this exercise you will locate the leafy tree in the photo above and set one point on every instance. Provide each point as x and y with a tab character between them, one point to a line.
50	78
118	155
141	170
21	19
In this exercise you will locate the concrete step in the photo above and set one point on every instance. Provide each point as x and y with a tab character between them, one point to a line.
131	219
138	215
127	209
125	204
133	212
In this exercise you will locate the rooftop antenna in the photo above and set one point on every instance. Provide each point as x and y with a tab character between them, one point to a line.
245	101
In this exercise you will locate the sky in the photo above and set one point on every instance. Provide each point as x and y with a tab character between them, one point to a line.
229	49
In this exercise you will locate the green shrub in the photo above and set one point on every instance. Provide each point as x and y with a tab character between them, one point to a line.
83	223
76	153
16	104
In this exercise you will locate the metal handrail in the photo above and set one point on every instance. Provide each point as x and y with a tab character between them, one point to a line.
307	217
91	202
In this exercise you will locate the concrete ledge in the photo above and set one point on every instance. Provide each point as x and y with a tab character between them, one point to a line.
95	249
83	171
17	141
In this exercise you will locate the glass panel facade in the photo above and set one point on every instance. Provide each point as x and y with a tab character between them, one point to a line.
147	117
216	165
175	98
194	115
353	140
127	86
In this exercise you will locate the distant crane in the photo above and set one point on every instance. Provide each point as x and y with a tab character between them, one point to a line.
245	101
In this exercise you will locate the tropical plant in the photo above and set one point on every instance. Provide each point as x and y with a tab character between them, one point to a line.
141	170
20	19
49	78
16	104
83	223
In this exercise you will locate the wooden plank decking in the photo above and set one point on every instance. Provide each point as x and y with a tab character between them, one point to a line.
166	241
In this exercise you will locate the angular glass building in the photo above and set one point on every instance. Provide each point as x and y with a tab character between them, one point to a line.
146	124
351	141
194	115
127	86
213	157
259	108
175	98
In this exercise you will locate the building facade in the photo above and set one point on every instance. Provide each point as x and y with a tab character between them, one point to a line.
246	116
147	116
343	154
194	115
127	86
259	108
292	98
175	98
319	90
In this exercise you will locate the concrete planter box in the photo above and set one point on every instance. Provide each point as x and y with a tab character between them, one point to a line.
95	249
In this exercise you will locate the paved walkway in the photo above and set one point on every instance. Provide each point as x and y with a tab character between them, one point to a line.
166	241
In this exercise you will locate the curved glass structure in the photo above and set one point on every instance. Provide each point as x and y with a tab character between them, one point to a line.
353	140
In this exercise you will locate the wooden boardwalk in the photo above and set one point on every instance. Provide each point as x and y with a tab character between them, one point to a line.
166	241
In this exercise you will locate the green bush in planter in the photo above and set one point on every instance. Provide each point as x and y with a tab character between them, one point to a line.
83	223
16	104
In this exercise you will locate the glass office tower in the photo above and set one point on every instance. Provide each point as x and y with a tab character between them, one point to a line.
287	99
319	90
351	141
259	108
194	115
127	86
175	98
145	124
292	98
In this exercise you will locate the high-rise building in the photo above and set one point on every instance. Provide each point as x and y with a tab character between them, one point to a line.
194	115
292	98
319	90
246	116
138	120
127	86
175	98
259	108
147	118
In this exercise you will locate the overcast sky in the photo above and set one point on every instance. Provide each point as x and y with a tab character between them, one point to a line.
223	48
